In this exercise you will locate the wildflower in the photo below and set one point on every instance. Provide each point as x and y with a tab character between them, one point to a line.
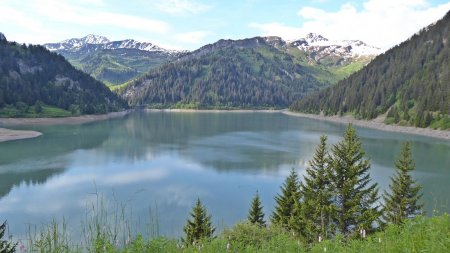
379	239
22	247
117	243
320	238
228	245
362	232
324	249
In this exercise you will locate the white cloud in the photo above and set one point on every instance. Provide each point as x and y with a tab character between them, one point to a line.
32	22
177	7
192	37
382	23
71	13
135	176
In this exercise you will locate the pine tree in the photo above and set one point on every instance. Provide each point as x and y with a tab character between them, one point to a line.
316	193
354	197
402	202
200	227
5	246
290	192
256	214
296	221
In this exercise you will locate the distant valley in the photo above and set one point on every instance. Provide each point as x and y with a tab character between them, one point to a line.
113	62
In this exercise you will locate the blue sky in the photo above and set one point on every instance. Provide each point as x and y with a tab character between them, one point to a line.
189	24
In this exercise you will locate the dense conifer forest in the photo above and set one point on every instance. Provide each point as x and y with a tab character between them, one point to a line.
410	83
32	79
242	74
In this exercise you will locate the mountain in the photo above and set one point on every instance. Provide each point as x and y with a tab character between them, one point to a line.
319	48
410	82
330	61
113	62
33	79
248	73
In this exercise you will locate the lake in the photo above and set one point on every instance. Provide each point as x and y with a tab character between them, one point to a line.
155	165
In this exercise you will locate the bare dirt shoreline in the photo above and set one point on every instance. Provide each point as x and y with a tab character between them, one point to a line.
375	124
9	135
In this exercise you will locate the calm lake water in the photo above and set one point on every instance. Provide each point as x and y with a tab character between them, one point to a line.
155	165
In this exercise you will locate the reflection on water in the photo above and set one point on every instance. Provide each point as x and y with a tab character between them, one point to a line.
165	161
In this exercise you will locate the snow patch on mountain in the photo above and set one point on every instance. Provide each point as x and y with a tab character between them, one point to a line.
346	48
93	42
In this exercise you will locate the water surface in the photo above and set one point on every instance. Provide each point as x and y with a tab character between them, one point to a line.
157	164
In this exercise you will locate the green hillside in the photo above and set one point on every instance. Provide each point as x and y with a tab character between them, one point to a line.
228	74
410	83
35	82
116	66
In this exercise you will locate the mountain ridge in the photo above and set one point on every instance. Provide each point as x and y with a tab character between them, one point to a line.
113	62
247	73
98	42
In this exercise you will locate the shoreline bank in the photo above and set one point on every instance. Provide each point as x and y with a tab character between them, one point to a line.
61	121
7	134
11	135
375	124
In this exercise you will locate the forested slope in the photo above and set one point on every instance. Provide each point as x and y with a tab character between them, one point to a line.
32	78
228	74
411	82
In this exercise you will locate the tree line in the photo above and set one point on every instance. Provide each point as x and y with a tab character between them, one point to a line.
335	198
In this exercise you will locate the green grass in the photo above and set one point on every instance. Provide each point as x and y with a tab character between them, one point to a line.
47	112
118	86
421	234
106	228
345	71
198	106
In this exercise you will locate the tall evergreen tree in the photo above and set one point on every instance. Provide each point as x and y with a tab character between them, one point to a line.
296	221
316	193
200	227
354	197
403	201
5	246
290	193
256	214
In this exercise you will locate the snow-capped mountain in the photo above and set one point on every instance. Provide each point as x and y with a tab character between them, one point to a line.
113	62
92	42
322	47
